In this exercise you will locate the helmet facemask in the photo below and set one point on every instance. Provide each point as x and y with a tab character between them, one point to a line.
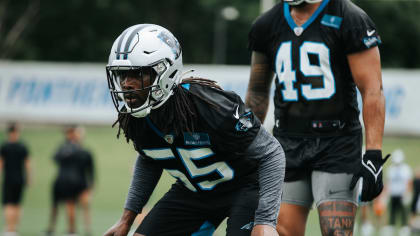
137	90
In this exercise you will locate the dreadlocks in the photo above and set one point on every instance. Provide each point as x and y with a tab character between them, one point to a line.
179	109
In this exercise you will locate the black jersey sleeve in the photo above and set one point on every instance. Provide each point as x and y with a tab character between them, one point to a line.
259	36
232	124
256	43
359	31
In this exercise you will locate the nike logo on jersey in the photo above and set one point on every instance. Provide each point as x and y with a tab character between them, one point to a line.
236	115
370	33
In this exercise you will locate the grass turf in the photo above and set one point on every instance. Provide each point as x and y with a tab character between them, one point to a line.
114	159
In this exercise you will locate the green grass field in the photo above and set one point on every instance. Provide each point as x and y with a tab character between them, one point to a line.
114	160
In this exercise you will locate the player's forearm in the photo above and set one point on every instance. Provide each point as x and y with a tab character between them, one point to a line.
365	67
271	184
145	179
258	94
374	118
271	175
258	102
128	217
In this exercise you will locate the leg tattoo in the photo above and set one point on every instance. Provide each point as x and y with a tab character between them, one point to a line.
337	218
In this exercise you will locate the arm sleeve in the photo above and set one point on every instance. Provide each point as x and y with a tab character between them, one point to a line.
145	178
272	165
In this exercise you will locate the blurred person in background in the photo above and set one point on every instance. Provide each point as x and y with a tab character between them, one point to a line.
74	180
415	204
226	164
372	215
397	188
319	52
16	168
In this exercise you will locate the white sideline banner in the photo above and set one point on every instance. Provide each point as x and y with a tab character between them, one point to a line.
65	93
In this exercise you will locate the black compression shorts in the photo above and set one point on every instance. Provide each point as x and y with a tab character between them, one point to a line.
182	212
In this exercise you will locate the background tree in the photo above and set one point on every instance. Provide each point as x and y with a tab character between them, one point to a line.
16	18
84	30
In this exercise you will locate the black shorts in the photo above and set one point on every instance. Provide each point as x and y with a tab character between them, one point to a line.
12	193
182	212
67	190
332	154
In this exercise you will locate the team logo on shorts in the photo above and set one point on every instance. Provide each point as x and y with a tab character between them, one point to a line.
169	138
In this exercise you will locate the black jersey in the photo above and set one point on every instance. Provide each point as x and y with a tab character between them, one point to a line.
314	85
14	155
75	164
211	158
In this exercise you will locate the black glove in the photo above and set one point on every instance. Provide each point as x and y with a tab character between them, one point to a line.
371	172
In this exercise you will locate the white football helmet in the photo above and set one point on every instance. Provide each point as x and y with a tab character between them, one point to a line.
298	2
141	48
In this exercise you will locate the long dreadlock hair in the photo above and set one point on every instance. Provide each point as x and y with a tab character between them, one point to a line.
179	109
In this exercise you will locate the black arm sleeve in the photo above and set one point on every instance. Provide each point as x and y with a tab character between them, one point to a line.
145	178
272	165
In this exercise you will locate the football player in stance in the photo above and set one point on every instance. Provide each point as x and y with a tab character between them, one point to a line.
319	52
226	164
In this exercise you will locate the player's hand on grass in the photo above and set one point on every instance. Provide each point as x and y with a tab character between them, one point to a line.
264	230
119	229
371	172
122	227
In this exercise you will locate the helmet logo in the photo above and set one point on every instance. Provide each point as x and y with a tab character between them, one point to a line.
171	42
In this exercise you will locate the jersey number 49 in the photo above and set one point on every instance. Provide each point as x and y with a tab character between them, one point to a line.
287	75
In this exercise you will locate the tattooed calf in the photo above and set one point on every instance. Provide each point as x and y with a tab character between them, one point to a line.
337	218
